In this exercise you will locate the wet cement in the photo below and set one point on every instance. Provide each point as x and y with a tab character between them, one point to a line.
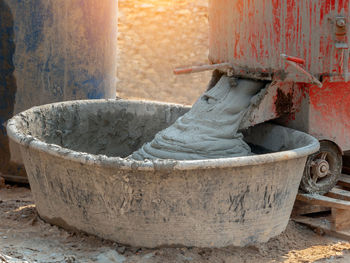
210	129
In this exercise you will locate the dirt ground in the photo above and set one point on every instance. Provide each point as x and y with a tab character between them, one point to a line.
154	37
24	237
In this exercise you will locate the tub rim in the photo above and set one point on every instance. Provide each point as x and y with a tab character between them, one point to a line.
29	141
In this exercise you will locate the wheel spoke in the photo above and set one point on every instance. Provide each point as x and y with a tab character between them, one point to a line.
322	169
323	155
329	174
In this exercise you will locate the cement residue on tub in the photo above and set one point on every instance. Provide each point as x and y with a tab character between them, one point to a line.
210	129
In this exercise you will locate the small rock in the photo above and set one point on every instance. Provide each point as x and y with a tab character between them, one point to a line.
69	259
319	231
121	249
8	259
110	257
135	250
148	256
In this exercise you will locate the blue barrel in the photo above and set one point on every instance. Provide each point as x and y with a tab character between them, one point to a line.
50	51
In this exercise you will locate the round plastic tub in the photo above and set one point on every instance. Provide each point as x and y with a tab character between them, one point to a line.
74	154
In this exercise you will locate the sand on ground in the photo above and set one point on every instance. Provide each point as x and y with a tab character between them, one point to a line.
24	237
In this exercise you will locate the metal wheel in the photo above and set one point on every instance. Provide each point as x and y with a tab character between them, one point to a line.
322	169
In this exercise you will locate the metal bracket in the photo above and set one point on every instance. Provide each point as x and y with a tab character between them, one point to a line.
341	43
294	62
345	59
200	68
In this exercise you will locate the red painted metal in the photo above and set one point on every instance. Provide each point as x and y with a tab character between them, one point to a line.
324	113
329	112
254	35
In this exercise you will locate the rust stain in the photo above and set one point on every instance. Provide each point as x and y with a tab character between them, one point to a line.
283	102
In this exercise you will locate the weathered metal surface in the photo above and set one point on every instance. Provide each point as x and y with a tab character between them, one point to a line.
70	152
199	68
53	51
324	112
329	112
253	34
8	87
278	99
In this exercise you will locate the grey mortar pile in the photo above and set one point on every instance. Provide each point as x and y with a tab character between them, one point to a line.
210	129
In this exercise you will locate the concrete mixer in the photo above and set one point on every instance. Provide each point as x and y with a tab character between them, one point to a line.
301	48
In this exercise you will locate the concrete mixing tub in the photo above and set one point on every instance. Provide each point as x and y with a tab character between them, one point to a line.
70	153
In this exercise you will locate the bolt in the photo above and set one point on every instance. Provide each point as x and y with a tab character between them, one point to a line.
323	169
341	22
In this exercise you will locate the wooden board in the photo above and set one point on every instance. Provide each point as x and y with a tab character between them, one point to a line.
344	181
302	208
310	209
14	178
339	193
322	200
340	219
323	224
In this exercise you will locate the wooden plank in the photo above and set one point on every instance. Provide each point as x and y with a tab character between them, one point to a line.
344	180
320	222
340	219
316	199
339	193
325	225
15	179
302	208
337	224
